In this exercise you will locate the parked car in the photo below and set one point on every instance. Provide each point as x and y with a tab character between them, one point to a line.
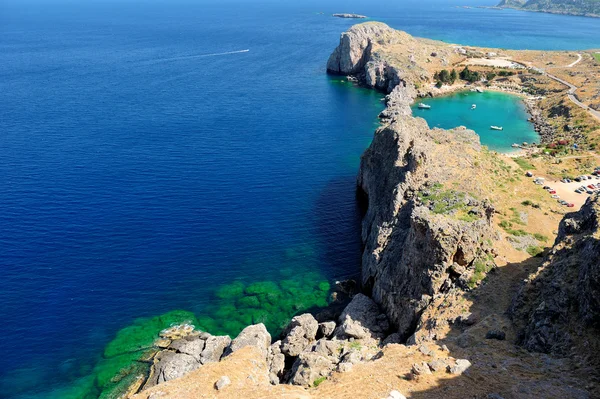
571	205
591	186
578	191
562	202
578	179
552	191
555	196
590	192
529	174
546	187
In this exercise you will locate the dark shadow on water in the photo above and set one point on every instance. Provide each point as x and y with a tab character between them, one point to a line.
337	229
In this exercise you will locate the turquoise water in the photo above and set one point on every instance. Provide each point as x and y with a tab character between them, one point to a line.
493	108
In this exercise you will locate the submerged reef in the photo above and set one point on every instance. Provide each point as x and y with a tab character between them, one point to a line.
126	360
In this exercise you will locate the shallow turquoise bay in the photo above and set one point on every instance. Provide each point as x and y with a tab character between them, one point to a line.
493	108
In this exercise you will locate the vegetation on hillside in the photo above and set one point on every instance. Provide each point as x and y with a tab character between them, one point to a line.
575	7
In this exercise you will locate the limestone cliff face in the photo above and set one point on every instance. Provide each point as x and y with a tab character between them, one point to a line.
416	250
421	239
559	305
357	55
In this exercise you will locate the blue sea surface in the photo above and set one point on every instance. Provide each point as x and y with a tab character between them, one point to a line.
146	158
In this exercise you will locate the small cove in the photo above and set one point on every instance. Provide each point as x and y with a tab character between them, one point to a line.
492	108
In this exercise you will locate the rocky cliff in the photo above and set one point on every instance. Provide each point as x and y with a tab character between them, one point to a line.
558	307
422	238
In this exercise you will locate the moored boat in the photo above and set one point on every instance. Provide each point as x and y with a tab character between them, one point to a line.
473	106
424	106
496	128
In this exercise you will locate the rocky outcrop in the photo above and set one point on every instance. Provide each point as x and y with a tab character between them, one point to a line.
185	355
300	333
415	249
362	319
357	55
414	252
559	305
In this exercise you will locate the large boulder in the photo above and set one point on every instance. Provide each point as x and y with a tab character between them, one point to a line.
214	348
310	366
191	345
169	365
362	319
255	335
299	334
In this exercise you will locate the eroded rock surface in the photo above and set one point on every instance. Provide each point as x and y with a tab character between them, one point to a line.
559	305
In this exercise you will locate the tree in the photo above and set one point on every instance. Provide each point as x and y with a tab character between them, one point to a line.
490	76
470	76
453	76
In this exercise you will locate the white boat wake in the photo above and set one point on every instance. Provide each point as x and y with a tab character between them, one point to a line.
189	57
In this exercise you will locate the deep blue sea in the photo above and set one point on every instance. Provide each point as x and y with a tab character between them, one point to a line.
147	158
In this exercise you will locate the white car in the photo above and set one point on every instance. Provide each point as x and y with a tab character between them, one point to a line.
555	196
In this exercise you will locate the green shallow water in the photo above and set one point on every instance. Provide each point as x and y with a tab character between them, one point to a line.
493	108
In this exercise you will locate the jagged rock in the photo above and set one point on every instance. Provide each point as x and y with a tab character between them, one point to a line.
299	334
344	367
420	369
353	356
222	383
326	328
276	368
460	367
362	319
563	296
425	350
327	348
255	335
410	250
276	362
394	338
438	365
496	334
308	367
355	47
169	365
192	346
213	348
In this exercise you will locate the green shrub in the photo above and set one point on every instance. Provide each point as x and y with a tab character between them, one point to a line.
534	250
318	381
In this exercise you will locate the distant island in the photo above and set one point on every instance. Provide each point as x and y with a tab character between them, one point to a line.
587	8
357	16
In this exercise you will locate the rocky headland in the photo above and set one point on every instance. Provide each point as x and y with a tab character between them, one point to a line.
451	305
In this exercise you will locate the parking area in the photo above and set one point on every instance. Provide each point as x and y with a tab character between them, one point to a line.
566	190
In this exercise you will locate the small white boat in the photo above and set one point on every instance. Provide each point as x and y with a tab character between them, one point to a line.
479	90
515	145
473	106
496	128
424	106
